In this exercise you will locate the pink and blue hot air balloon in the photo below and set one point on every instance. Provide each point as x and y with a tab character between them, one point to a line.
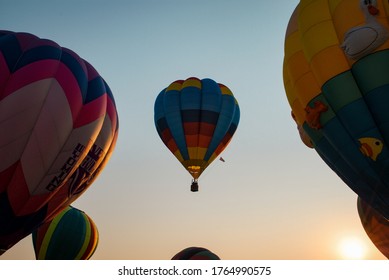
58	128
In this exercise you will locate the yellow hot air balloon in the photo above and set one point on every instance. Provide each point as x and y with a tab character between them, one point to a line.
336	78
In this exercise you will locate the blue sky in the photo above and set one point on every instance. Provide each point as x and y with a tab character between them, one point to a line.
273	198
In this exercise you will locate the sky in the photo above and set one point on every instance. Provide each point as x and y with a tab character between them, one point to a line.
272	198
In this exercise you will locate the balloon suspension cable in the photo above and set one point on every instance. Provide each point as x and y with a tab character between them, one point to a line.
195	186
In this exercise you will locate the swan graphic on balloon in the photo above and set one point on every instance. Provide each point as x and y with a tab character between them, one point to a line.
362	40
58	128
196	120
336	79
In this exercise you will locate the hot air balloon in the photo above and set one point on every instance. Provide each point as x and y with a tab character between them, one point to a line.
375	226
195	253
196	120
58	128
336	78
71	235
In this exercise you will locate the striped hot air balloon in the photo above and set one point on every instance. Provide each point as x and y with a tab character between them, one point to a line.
71	235
196	120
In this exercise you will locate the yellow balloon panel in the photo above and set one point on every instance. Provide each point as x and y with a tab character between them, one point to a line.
320	41
196	152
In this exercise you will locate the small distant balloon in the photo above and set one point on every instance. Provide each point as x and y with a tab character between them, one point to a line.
375	226
195	253
71	235
196	120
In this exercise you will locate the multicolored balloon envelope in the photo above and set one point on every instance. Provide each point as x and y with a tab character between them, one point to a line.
336	78
375	225
196	120
71	235
58	128
195	253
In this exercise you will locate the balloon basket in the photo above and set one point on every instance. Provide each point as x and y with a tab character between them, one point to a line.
194	187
